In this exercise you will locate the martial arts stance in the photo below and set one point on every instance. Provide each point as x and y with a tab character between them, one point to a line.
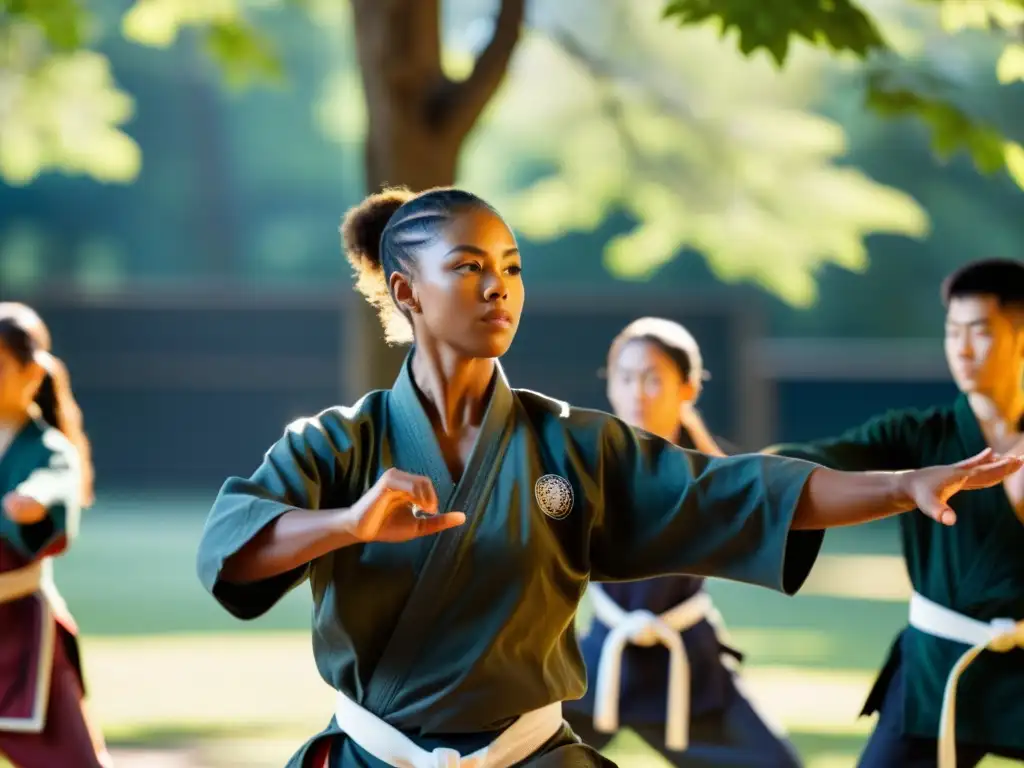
655	662
463	641
968	580
43	723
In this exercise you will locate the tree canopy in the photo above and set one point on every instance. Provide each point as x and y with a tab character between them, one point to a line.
734	166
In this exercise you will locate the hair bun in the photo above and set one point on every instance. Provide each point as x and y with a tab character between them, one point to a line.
364	223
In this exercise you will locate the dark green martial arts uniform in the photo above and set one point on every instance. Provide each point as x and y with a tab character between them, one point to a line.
452	637
975	568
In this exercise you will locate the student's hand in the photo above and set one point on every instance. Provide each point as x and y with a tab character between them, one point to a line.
22	509
931	488
399	507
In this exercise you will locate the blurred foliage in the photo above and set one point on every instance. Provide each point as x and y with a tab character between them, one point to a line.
244	53
630	141
855	27
729	166
839	24
60	108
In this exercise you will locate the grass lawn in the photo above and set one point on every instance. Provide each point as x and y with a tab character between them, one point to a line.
177	683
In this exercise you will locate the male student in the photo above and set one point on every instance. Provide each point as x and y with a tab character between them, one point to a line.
952	689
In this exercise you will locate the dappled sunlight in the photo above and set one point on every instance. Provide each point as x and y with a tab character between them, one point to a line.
61	111
729	165
158	22
1015	161
150	684
811	701
341	111
865	577
957	15
161	680
1010	67
789	645
830	760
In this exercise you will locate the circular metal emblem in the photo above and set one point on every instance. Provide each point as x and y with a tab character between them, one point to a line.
554	495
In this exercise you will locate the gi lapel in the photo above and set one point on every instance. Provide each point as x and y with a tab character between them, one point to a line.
991	513
10	445
416	450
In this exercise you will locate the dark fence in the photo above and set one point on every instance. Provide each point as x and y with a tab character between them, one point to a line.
182	389
817	388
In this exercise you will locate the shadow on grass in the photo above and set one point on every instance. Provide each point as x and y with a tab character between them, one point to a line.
181	735
811	745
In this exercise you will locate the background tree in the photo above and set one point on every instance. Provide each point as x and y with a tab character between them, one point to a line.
419	115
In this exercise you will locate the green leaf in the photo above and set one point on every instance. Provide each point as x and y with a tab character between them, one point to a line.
76	89
157	22
1015	162
837	24
245	55
1011	64
64	22
729	166
959	15
952	128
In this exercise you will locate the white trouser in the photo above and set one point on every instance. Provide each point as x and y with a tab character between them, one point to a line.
643	628
1000	635
389	745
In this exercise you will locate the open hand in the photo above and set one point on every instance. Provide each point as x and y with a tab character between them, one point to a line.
400	506
931	488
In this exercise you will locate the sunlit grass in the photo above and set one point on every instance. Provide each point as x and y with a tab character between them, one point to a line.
225	700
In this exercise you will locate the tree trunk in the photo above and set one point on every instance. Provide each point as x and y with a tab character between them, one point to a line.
418	123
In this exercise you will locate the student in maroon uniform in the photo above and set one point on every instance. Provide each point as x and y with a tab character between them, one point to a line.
43	723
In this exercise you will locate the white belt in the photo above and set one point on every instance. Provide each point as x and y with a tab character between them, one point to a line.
21	582
388	744
1000	635
643	628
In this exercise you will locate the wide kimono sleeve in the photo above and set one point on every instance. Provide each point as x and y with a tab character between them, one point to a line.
303	470
666	510
56	485
885	443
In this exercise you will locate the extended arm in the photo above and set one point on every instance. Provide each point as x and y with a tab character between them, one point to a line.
753	518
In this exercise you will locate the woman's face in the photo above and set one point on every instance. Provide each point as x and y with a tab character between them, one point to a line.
19	383
647	389
467	289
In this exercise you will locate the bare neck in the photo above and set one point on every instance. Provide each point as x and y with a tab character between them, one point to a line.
456	386
999	413
12	422
669	434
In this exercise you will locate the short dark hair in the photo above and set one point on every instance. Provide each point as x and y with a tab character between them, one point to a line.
1002	279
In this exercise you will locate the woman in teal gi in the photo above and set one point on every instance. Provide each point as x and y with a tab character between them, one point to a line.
656	662
449	526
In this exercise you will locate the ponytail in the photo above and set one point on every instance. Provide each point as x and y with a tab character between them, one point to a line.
49	404
59	409
28	339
